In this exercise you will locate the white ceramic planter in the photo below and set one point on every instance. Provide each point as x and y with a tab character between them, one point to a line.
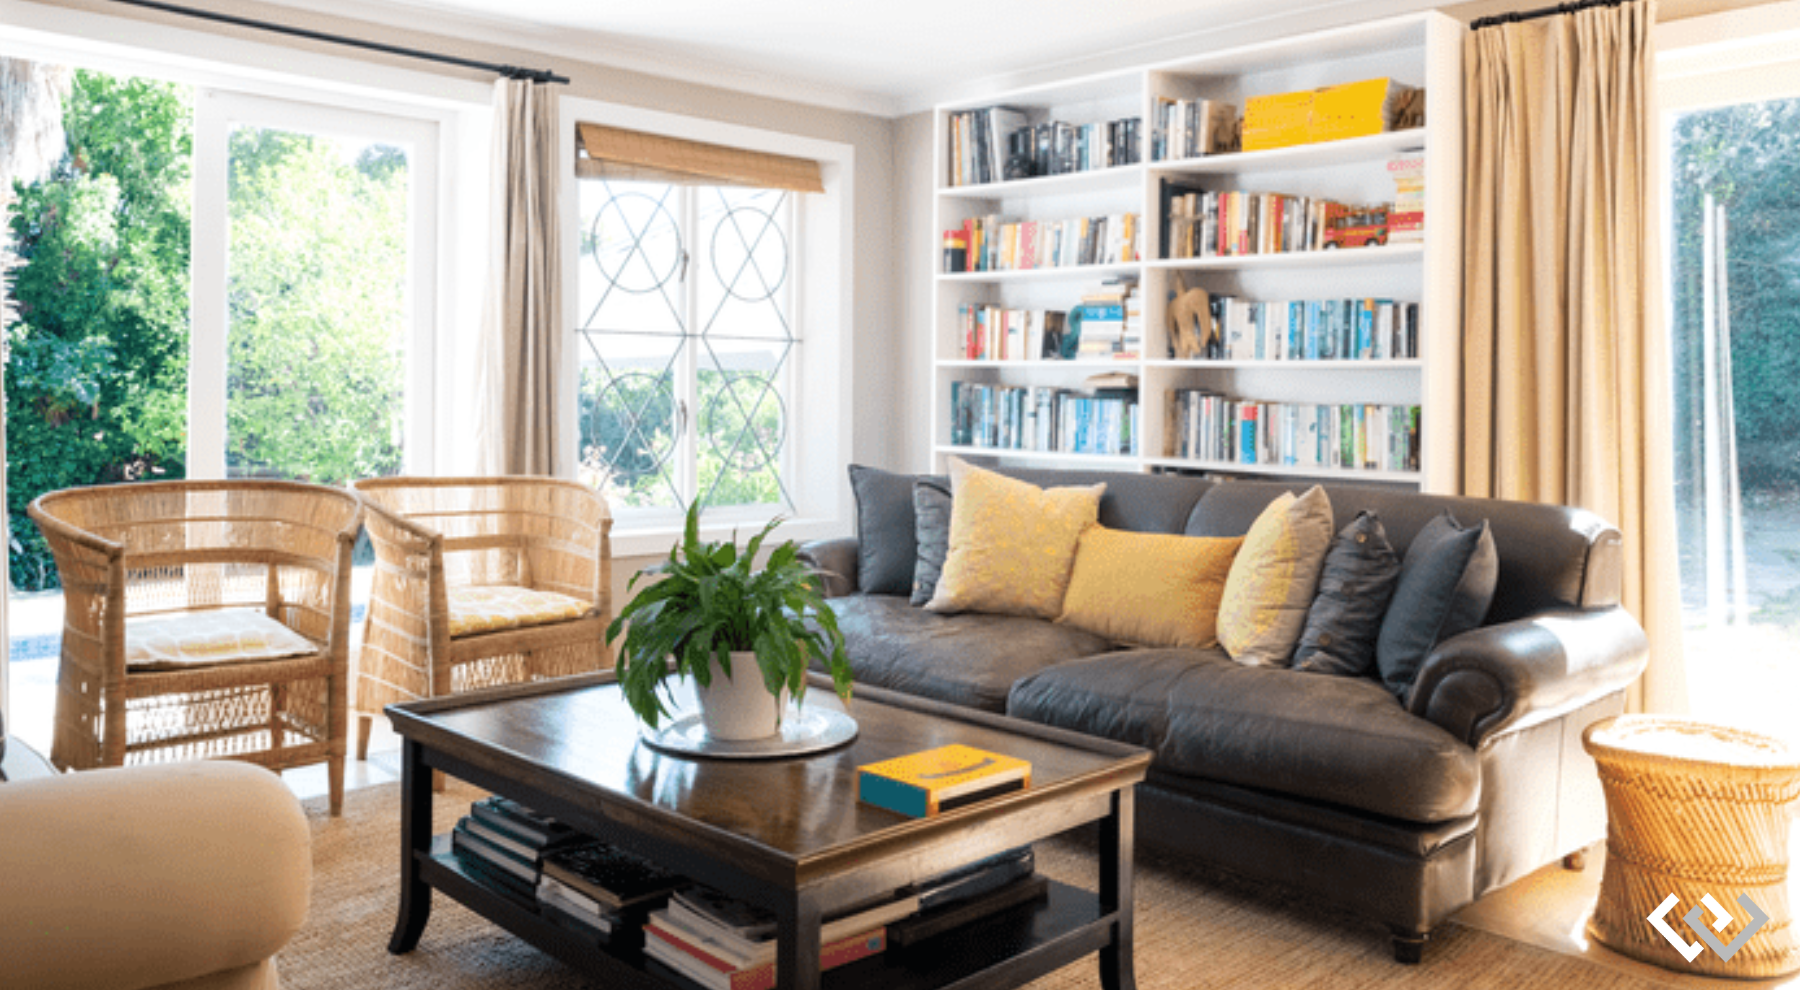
738	707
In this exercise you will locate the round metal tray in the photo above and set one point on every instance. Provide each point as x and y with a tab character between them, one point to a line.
812	729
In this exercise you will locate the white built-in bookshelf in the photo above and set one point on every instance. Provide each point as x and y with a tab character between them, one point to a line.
1419	51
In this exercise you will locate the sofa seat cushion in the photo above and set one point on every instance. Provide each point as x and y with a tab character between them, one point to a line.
965	659
1341	740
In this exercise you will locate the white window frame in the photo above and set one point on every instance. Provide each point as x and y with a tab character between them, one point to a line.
819	396
216	112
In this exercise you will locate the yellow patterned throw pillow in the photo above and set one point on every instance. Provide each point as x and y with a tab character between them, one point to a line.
1011	544
205	639
1272	580
1149	589
493	607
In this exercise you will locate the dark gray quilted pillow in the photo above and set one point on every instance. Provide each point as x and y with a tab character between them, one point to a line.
1361	572
931	521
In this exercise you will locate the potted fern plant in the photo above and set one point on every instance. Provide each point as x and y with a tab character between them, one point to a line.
745	635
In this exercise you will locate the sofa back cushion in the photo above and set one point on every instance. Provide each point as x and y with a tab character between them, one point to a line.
1138	503
1550	556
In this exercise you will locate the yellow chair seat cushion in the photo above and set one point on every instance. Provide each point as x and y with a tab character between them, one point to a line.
490	608
203	639
1149	589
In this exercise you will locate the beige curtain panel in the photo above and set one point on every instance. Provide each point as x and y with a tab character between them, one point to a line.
1566	375
522	320
616	153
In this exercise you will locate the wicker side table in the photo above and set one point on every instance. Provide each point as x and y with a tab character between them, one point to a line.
1694	809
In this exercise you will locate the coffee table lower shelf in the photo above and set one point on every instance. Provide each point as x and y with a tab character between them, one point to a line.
1008	949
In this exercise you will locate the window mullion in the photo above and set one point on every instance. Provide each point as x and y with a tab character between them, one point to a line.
691	356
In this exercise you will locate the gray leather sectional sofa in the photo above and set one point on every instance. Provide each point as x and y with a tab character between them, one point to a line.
1403	811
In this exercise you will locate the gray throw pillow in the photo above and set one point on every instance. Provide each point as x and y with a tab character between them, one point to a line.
1446	584
931	521
886	549
1361	572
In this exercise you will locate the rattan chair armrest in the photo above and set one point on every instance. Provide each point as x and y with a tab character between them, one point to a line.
55	528
1514	674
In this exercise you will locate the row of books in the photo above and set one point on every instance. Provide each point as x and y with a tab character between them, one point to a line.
999	143
1044	418
1192	128
1202	223
1206	426
1314	330
992	243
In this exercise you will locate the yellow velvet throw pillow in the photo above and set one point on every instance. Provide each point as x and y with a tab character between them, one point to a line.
1149	589
1011	544
1272	580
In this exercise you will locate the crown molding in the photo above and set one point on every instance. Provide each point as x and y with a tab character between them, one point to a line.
1241	25
603	51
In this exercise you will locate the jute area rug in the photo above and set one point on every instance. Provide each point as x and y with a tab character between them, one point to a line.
1195	928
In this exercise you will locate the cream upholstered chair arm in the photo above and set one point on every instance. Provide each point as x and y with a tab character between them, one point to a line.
142	876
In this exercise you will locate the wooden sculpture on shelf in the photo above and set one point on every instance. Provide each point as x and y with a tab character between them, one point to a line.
1192	333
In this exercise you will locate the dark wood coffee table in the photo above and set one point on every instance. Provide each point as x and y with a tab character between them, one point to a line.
788	835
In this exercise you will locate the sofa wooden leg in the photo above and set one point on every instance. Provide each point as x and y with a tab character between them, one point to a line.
1409	946
1576	861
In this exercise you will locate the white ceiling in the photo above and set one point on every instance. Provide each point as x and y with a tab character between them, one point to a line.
873	55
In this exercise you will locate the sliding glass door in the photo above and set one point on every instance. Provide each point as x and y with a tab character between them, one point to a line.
313	301
1732	166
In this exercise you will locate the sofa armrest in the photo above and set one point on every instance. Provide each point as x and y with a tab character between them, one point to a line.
835	560
149	875
1517	673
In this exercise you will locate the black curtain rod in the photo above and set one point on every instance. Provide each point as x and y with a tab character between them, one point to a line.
1532	15
509	71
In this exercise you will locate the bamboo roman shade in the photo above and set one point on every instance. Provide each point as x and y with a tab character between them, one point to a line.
615	153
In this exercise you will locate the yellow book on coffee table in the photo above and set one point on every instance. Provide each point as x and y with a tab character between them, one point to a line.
936	780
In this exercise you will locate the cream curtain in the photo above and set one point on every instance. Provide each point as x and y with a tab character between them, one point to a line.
522	319
1566	367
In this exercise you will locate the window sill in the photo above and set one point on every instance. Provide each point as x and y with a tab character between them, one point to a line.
655	540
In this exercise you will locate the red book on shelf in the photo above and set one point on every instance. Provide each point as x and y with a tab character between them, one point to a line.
761	975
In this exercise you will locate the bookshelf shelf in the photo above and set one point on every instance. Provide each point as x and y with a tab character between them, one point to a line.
1199	364
1078	364
1118	177
1420	50
1285	470
1386	254
1114	461
1325	154
1075	273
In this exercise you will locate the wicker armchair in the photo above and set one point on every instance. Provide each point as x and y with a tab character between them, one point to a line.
440	543
168	651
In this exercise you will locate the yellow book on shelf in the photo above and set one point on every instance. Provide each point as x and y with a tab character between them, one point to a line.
1279	120
936	780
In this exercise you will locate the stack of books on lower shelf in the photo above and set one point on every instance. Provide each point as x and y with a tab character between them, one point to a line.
503	843
603	893
723	943
569	878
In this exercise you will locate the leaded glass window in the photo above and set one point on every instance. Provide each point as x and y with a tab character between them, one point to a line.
687	336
